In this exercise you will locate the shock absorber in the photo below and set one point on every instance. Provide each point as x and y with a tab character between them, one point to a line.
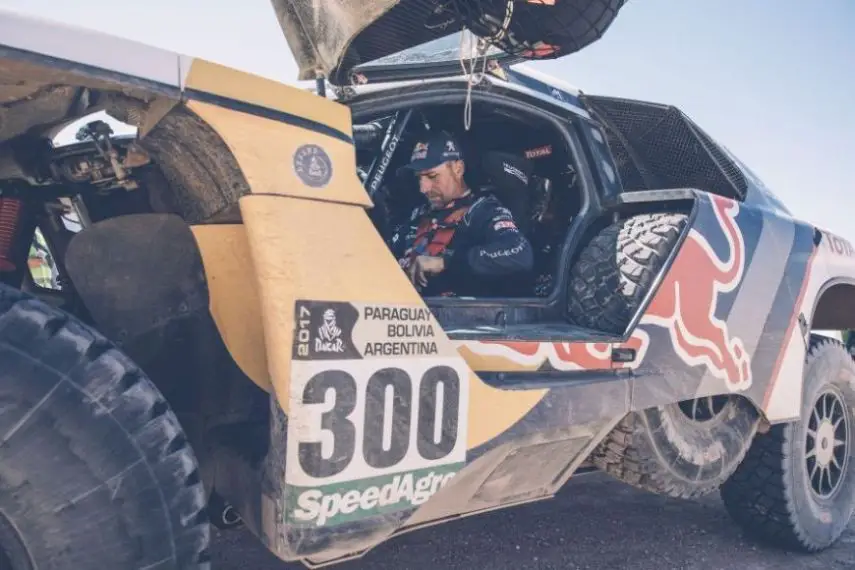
10	218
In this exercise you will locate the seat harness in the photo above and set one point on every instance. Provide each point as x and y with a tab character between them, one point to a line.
435	233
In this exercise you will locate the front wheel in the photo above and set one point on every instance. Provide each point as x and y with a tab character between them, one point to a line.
796	487
95	471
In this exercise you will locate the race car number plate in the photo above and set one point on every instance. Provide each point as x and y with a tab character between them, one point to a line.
378	404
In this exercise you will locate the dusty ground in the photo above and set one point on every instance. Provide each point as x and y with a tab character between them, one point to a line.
594	523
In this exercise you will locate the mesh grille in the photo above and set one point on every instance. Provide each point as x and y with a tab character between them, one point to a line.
729	168
539	29
401	27
657	146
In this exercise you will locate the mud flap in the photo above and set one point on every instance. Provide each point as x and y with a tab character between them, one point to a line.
136	273
142	279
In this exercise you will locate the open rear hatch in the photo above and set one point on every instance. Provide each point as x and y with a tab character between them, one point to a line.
330	38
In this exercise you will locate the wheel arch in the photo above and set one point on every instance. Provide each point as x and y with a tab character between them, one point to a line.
834	308
199	175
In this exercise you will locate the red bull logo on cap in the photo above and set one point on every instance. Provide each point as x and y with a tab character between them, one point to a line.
686	302
420	151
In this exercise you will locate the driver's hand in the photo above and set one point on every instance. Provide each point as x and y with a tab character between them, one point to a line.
422	266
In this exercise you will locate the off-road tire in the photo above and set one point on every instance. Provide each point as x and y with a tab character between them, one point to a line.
95	471
664	451
770	494
618	267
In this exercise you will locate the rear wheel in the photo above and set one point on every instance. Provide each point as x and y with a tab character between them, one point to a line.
796	488
681	450
95	471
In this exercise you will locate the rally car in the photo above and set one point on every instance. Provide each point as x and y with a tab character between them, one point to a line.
227	336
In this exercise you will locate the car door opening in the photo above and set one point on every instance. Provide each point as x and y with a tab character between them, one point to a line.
520	160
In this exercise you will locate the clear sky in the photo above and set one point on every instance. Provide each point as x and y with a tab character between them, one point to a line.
772	80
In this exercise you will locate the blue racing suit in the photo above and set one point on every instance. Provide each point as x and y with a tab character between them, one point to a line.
485	254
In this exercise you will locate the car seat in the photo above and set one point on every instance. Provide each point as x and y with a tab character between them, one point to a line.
510	177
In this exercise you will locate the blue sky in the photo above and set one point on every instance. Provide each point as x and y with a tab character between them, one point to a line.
772	80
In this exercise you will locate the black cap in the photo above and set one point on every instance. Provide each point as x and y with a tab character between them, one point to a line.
433	150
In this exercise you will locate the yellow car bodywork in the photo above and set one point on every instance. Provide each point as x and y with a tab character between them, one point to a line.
293	247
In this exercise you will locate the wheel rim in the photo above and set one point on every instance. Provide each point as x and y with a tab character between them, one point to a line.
703	409
827	444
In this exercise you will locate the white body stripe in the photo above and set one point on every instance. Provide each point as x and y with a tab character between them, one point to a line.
785	396
90	47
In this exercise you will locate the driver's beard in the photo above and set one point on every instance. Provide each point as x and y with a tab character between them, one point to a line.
447	202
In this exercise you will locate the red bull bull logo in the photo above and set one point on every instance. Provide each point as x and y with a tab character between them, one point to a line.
419	151
685	305
686	302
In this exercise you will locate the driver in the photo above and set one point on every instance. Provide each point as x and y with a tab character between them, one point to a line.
459	243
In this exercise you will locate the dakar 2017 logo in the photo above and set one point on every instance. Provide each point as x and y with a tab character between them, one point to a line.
329	334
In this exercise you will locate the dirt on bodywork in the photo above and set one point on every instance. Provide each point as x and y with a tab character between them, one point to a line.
319	33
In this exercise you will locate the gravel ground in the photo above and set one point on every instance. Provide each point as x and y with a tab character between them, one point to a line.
595	523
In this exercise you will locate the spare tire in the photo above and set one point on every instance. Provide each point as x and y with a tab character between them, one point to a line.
618	267
95	470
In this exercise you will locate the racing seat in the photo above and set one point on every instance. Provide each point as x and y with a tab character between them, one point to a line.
526	195
511	179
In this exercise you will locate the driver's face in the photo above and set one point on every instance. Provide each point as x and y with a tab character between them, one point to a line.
442	184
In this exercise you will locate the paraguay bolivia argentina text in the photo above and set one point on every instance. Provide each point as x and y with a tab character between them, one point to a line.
412	335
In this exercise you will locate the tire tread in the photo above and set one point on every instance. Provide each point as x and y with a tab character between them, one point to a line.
617	268
115	386
758	496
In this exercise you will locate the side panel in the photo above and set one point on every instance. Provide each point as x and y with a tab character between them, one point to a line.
354	357
724	318
234	302
721	313
326	282
831	261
